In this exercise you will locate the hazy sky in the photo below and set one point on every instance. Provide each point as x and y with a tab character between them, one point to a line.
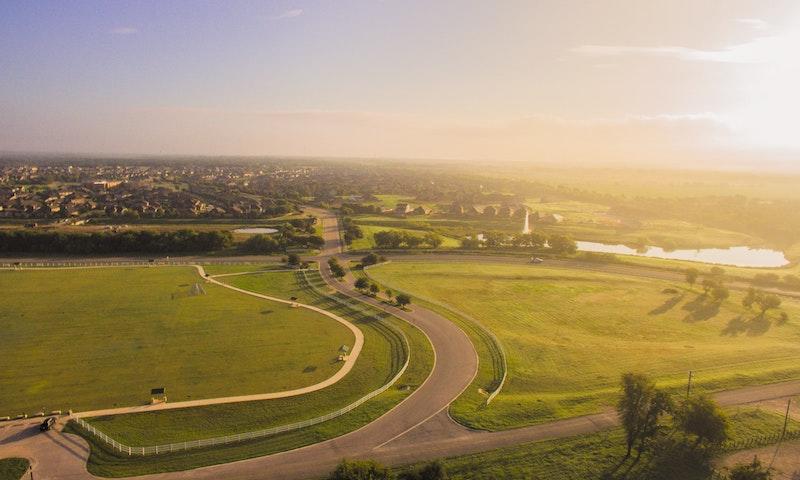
524	80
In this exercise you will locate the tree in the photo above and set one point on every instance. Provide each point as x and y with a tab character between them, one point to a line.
493	239
717	271
361	283
366	470
402	299
388	239
720	293
640	408
768	302
752	297
470	243
389	294
750	471
433	240
369	259
293	259
701	417
374	289
411	241
336	268
562	244
691	276
431	471
709	284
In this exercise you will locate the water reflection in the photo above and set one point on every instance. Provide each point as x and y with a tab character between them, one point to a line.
736	256
255	230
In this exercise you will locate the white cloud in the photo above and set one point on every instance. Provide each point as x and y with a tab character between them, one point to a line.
123	31
295	12
755	23
759	50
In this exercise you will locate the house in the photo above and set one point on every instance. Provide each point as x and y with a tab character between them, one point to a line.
550	218
456	209
504	211
402	209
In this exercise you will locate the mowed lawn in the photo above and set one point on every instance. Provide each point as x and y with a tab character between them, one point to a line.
85	339
570	334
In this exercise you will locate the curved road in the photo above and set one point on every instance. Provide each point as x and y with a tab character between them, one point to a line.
417	429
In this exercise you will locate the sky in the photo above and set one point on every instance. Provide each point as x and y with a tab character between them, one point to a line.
630	82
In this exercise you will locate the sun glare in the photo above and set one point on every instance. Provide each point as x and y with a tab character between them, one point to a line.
771	91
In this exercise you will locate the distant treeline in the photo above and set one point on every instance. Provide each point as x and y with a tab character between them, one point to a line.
357	208
141	241
266	244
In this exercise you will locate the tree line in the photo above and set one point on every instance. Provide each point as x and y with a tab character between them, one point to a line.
558	244
139	241
351	230
403	239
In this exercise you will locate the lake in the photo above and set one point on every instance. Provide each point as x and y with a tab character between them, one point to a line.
735	256
255	230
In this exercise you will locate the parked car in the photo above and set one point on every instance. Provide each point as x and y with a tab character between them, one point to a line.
536	260
47	424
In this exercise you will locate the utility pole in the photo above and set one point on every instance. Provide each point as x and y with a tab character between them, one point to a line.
689	385
786	419
783	433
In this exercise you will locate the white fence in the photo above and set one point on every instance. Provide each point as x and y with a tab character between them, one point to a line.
208	442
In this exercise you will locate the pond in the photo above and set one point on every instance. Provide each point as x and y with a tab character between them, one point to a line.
735	256
255	230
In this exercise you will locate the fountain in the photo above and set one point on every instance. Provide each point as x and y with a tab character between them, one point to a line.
526	227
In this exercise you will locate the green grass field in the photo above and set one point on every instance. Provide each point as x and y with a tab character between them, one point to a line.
13	468
570	334
379	360
585	456
84	339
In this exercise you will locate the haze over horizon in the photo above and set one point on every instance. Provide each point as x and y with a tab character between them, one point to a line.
664	83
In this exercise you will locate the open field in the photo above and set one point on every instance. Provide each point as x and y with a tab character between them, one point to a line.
587	455
378	361
104	337
570	334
